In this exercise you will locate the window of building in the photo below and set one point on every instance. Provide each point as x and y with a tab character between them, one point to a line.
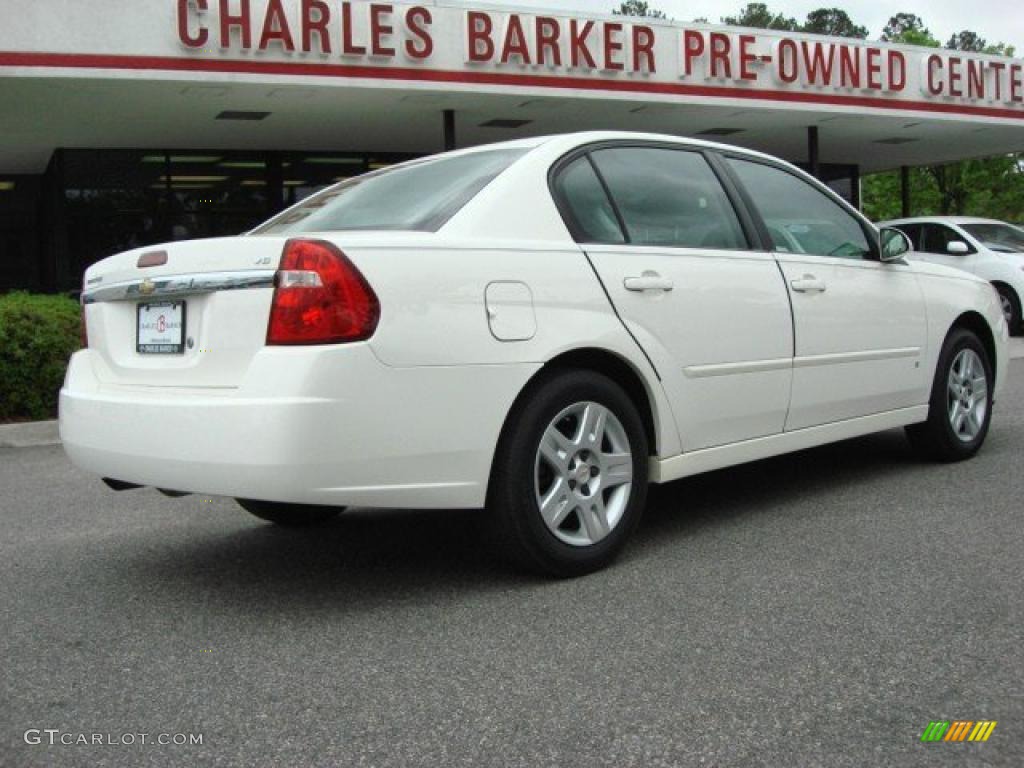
116	200
19	233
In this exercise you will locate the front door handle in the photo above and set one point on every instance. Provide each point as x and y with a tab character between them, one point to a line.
649	281
808	284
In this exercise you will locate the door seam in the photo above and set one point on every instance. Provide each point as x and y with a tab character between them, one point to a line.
617	315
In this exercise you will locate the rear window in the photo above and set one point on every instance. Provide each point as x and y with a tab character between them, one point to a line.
419	196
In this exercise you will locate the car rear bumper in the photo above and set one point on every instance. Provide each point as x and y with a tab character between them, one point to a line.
317	425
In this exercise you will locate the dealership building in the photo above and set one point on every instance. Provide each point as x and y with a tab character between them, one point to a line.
130	123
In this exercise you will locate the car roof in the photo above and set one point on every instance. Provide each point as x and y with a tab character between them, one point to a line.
568	141
590	137
942	220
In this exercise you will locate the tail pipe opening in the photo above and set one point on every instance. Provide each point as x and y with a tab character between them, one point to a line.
119	485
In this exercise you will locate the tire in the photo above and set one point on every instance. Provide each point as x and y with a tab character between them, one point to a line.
1011	309
290	515
596	488
957	399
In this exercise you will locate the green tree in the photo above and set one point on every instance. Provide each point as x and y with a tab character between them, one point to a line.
908	28
833	21
1000	49
951	184
991	187
758	16
881	195
638	8
967	40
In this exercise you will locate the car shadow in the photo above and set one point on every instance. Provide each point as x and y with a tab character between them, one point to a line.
715	497
368	556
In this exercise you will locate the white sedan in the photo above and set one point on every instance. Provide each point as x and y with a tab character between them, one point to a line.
993	250
540	327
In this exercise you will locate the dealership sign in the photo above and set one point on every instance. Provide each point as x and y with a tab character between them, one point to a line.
441	46
624	49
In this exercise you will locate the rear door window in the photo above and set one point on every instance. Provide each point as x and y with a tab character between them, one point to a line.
669	197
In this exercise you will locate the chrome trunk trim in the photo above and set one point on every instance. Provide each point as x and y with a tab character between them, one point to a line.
143	289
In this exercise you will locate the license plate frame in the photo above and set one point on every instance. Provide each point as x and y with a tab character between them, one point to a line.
160	341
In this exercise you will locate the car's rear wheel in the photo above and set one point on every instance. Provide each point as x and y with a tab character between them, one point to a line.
1011	309
290	515
960	409
570	476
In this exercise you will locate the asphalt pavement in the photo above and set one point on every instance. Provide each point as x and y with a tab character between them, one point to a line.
818	609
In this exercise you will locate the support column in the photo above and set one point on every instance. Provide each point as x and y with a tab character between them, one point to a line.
813	154
165	218
275	183
56	271
449	130
855	196
905	189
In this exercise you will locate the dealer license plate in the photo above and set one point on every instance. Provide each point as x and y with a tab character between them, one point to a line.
161	329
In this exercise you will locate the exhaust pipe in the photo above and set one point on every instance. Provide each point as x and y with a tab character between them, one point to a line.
173	494
119	485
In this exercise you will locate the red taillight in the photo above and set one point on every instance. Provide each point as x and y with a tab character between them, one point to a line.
320	297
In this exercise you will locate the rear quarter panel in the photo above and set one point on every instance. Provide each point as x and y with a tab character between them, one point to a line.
433	309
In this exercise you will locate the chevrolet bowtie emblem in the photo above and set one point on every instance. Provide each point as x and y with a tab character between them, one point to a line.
147	287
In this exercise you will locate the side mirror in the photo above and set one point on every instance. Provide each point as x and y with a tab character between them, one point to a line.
894	245
958	248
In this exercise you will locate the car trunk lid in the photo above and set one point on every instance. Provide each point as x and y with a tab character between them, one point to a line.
218	291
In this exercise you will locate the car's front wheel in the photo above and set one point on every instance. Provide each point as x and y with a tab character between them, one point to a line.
290	515
1011	309
570	477
960	408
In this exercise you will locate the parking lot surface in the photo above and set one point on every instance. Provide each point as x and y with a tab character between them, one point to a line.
818	609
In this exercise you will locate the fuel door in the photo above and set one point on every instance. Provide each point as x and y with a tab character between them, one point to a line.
510	312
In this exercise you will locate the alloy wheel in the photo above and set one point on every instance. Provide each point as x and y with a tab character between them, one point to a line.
967	395
583	474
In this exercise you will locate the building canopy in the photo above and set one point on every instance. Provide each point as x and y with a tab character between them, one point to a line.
322	74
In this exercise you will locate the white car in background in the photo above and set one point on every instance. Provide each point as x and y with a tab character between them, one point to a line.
992	250
541	327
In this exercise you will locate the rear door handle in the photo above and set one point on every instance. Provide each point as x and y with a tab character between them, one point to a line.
808	284
649	281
